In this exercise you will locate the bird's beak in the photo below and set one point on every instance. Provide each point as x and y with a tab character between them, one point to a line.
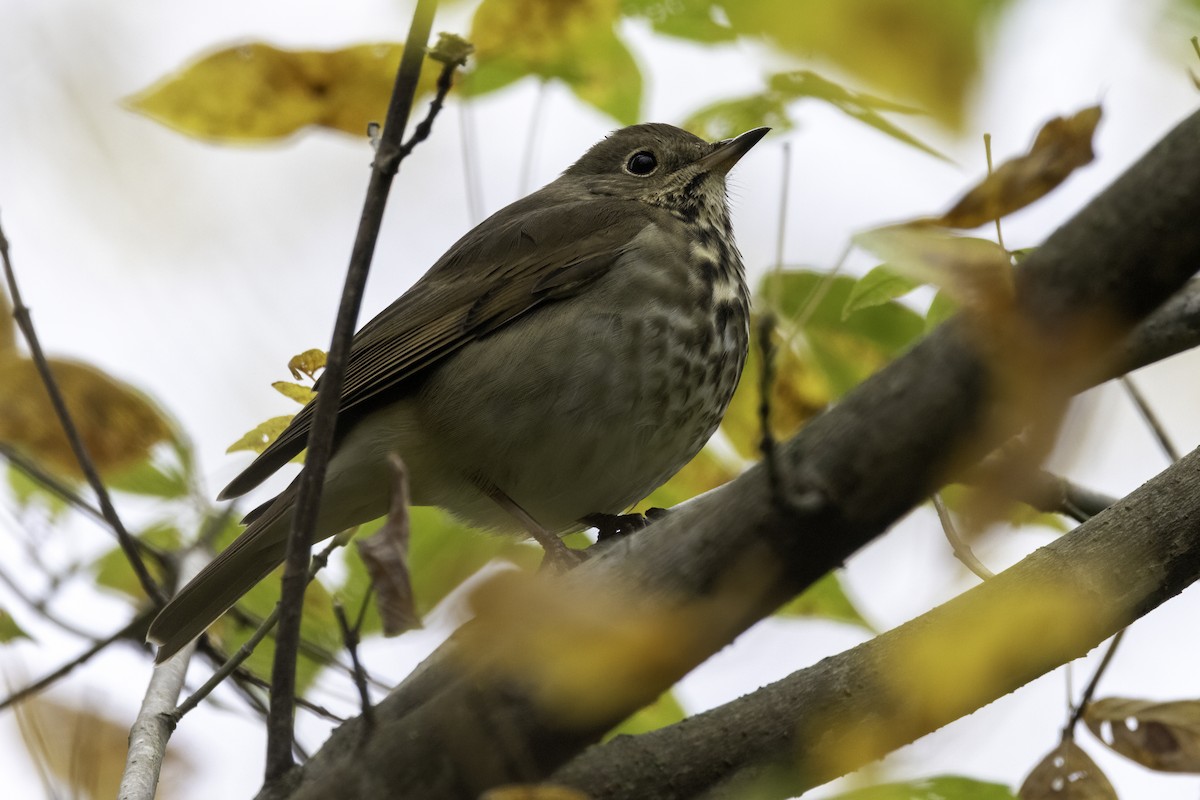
727	152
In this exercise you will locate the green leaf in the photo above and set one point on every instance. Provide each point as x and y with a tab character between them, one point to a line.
26	491
944	787
10	630
847	351
727	118
442	553
112	569
686	19
154	478
255	92
876	288
826	599
863	107
664	711
573	42
261	435
707	470
941	309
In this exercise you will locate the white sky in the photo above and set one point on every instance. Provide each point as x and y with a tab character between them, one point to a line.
196	271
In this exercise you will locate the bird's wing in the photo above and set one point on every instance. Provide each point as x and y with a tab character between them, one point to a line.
486	280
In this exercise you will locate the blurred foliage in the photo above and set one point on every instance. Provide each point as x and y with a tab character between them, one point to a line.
664	711
925	53
826	599
112	570
84	750
727	118
118	424
943	787
9	629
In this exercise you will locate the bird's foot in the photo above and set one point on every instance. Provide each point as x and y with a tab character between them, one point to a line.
559	558
614	526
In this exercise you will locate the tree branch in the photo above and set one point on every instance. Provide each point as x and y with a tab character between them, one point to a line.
848	710
320	439
25	323
702	575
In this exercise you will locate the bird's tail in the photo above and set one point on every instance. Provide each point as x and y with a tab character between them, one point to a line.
227	577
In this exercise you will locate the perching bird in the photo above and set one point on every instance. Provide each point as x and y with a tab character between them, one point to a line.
562	360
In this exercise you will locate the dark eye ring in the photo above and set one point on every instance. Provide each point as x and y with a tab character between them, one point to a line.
641	163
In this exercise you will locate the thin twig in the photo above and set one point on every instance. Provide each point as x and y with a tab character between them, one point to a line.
1090	690
25	323
531	137
42	608
987	149
49	482
470	149
962	551
350	637
766	329
235	661
1152	420
320	440
142	620
776	298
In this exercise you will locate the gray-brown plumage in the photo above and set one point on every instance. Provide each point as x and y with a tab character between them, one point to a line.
564	358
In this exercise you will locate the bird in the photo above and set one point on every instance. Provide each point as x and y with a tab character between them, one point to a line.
561	361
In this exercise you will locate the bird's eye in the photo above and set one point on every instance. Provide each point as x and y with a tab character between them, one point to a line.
641	163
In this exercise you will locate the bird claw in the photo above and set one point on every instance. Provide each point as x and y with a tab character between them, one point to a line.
614	526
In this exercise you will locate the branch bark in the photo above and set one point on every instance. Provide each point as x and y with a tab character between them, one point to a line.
844	712
495	705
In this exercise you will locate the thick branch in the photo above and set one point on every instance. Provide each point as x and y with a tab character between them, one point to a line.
848	710
488	708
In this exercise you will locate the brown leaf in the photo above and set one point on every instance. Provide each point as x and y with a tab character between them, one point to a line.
1161	736
118	424
84	748
307	363
1067	773
1062	145
385	554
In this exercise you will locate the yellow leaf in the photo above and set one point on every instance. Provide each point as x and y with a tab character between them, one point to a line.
255	91
307	363
1161	736
1062	146
575	42
294	391
257	439
118	424
1067	773
925	51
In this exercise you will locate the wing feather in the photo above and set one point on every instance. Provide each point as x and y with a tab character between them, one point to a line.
492	276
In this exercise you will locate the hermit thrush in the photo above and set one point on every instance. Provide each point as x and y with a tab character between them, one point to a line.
563	359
